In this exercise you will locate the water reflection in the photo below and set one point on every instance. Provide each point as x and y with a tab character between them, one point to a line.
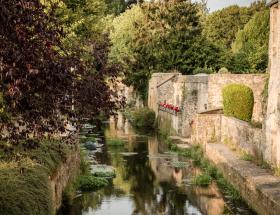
146	183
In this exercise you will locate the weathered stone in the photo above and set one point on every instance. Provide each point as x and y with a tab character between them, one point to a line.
258	187
272	124
64	174
197	93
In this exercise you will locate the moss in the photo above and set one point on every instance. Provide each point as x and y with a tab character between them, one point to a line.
238	101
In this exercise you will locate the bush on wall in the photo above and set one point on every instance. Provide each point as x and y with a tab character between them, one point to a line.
238	101
143	118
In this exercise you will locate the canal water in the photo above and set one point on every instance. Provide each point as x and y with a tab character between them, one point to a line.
147	181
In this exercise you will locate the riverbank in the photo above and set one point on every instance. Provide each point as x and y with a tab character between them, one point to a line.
33	176
257	186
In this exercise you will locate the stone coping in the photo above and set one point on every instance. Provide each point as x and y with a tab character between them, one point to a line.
258	187
218	110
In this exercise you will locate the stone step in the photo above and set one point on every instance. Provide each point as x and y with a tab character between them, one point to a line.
259	188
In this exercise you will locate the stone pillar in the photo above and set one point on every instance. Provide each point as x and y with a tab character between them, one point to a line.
272	124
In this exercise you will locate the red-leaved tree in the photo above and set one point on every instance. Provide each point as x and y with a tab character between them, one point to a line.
40	80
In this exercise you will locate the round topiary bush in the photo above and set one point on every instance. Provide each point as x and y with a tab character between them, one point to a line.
238	101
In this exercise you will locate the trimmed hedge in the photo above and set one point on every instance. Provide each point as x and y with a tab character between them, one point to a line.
238	101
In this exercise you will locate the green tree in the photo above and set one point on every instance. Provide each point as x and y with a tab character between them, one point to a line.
222	25
170	38
252	42
123	33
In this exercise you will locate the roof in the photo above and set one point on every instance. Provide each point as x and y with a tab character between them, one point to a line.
272	2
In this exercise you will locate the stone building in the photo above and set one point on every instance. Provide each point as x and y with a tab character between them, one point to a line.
272	124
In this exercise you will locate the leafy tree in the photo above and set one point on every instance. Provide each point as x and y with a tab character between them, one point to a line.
123	34
252	42
40	79
221	26
161	36
116	7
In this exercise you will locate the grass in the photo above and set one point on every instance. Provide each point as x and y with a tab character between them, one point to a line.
247	157
24	189
115	142
24	176
203	180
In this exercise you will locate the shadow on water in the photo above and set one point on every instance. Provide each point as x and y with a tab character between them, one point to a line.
146	183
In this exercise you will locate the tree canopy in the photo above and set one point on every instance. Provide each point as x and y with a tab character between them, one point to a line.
41	79
252	42
221	26
161	36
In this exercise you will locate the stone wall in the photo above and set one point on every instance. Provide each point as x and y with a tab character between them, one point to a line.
197	93
216	82
64	175
242	135
187	92
217	128
206	128
272	124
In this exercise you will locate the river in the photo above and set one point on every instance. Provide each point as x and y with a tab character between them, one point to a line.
146	182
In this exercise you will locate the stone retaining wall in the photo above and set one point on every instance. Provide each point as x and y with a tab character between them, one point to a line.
212	127
242	135
64	174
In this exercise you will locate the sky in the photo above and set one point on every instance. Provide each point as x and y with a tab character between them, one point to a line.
219	4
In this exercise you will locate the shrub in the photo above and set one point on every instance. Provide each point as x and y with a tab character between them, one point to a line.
143	118
238	101
223	70
24	189
205	70
89	182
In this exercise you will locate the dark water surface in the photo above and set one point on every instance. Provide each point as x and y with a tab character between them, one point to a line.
147	183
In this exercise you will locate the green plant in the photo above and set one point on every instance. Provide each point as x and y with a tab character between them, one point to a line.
204	70
202	180
24	189
209	172
143	118
238	101
90	182
115	142
104	174
84	164
247	157
223	70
